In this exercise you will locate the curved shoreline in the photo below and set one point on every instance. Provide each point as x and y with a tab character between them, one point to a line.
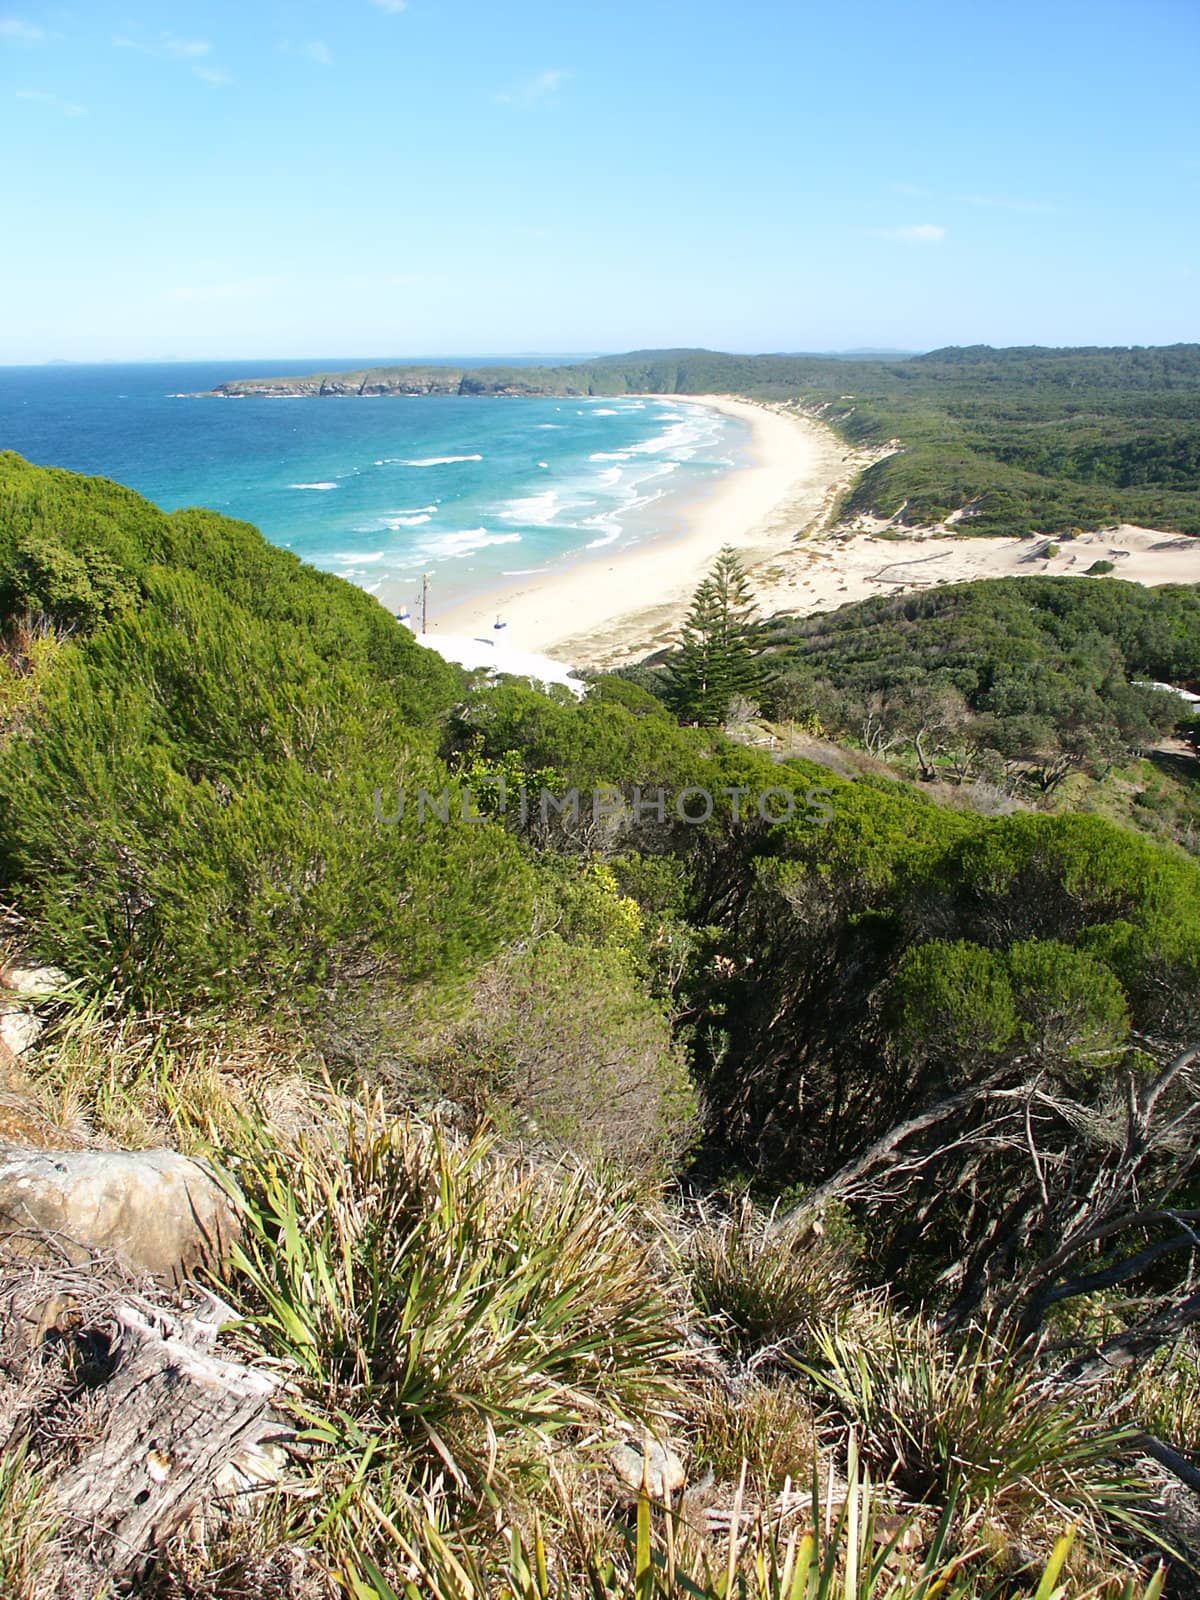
616	605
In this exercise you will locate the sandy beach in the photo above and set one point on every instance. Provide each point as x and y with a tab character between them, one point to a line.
615	607
611	606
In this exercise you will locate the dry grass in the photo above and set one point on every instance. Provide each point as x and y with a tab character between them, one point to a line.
766	1429
104	1075
855	1551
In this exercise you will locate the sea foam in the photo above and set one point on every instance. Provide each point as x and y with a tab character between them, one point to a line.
539	509
466	541
431	461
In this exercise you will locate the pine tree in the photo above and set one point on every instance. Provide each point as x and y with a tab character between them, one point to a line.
715	660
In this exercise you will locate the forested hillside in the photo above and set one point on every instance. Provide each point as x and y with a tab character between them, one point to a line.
831	1124
1021	681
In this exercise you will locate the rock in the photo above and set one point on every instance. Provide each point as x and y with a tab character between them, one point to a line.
156	1210
260	1466
32	982
651	1463
19	1028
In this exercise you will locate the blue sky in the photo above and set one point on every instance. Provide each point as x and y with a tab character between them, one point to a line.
290	178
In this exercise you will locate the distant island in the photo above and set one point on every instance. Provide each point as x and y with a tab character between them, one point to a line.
990	441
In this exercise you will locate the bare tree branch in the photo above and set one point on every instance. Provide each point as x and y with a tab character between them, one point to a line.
877	1153
1142	1339
1120	1271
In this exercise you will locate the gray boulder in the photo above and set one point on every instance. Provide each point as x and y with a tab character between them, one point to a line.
32	982
19	1028
156	1210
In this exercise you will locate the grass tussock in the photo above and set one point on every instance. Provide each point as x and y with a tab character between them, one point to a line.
765	1290
765	1429
28	1527
976	1428
447	1310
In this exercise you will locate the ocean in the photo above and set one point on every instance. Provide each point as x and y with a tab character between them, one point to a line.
475	491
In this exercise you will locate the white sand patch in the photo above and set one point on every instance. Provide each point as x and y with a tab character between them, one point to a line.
499	655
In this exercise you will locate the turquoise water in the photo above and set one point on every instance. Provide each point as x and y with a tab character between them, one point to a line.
478	492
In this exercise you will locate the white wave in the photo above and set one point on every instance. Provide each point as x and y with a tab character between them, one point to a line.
431	461
545	426
605	411
662	470
609	478
522	572
406	517
611	455
610	524
312	485
539	509
467	541
608	527
359	555
545	466
679	437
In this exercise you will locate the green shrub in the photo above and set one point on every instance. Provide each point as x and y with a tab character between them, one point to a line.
557	1043
955	1000
69	589
187	804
